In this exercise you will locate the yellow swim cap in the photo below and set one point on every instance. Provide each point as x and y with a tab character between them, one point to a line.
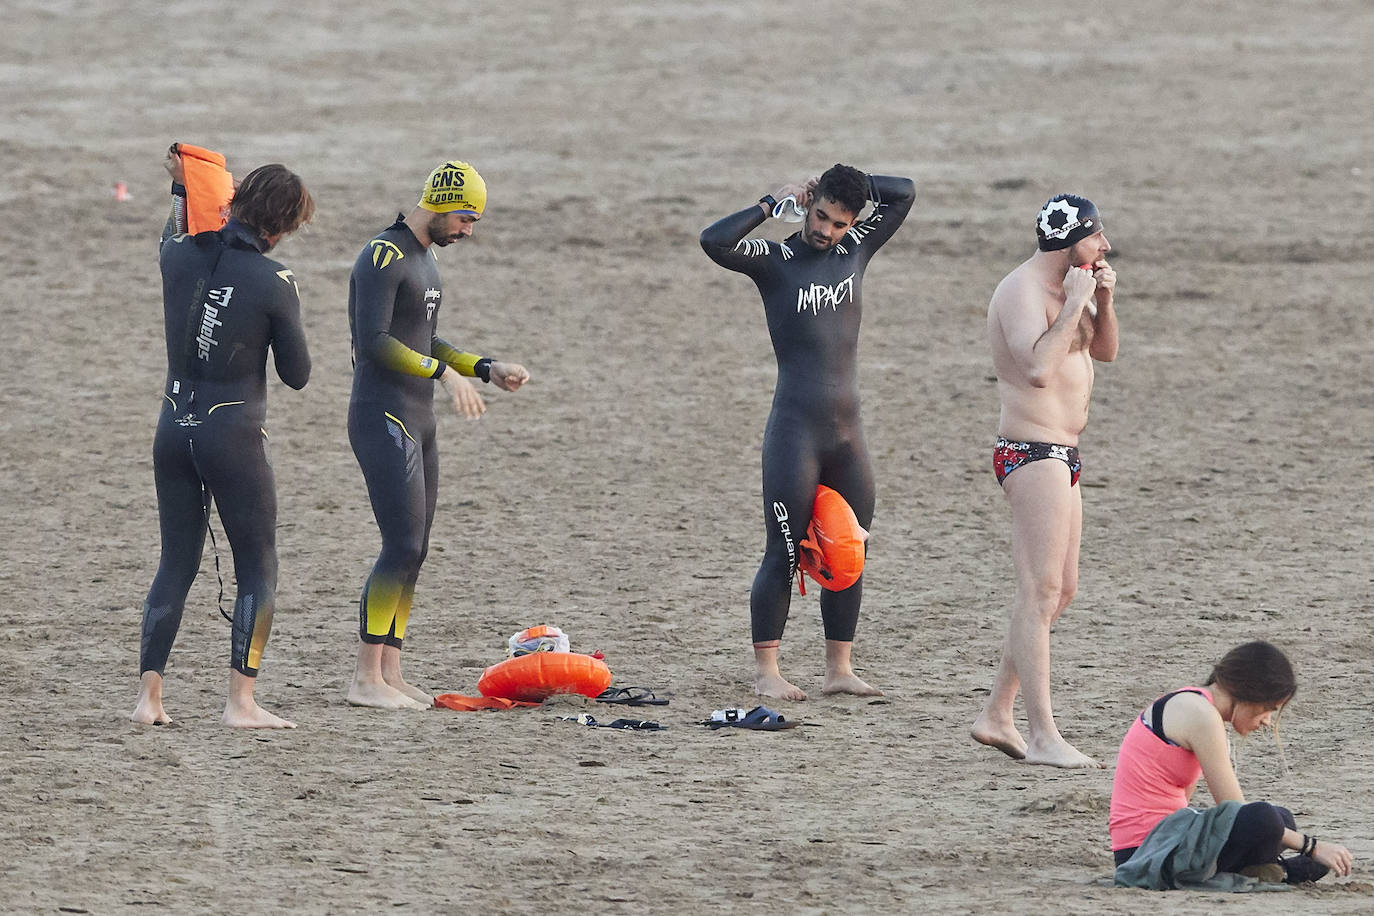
454	187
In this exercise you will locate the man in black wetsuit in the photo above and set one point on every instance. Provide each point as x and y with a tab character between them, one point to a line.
224	303
810	285
394	296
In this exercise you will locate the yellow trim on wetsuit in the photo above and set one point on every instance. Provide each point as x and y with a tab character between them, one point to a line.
381	607
262	628
402	613
464	362
400	424
396	356
169	400
224	404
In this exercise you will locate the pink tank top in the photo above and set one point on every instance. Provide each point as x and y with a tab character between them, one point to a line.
1153	780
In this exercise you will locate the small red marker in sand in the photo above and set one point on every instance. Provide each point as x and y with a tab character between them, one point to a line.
121	191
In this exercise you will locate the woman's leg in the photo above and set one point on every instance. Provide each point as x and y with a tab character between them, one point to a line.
1256	837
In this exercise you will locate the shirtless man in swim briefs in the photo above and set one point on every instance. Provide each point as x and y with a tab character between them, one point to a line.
1048	320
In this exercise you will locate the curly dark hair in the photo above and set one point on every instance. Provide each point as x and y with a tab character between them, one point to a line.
273	200
845	185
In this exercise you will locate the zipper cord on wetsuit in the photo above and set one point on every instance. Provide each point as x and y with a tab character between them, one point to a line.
214	545
218	575
196	312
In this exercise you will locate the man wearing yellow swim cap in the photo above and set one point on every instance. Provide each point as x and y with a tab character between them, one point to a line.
394	297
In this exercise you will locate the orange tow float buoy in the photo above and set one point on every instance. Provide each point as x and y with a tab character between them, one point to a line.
833	551
540	675
209	187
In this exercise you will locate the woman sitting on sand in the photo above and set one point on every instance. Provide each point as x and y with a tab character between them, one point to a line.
1182	736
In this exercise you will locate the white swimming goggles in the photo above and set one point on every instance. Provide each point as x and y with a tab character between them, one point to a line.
788	210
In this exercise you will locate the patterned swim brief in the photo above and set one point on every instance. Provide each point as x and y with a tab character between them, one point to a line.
1007	456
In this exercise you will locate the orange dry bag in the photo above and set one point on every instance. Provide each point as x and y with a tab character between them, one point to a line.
209	188
539	675
832	553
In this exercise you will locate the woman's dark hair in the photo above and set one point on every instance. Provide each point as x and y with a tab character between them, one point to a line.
1256	672
273	200
845	185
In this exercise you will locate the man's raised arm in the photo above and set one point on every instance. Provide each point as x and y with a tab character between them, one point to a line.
1039	351
721	240
892	198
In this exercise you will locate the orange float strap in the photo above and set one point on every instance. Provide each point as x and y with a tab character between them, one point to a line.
471	704
209	188
832	553
536	677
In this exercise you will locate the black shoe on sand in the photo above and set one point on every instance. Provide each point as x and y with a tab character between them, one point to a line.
1302	869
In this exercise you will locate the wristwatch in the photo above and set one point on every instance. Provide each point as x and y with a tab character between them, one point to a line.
768	199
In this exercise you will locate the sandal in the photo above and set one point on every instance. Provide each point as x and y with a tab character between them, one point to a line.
760	718
630	696
633	724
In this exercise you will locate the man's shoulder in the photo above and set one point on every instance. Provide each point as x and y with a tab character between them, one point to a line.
184	248
389	250
175	247
269	278
1018	289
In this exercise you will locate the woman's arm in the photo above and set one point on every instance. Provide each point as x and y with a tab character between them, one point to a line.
1333	855
1192	722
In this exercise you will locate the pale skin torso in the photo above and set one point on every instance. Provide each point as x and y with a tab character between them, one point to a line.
1026	318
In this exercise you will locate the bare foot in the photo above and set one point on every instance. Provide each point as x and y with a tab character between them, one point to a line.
1061	754
389	666
848	683
1005	738
149	710
237	715
777	687
381	695
415	693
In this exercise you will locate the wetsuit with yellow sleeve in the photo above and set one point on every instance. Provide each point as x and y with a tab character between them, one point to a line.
813	304
224	304
394	295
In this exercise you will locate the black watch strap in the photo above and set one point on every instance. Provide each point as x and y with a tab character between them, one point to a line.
768	199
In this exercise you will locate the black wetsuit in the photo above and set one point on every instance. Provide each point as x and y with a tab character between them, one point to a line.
394	295
814	435
224	303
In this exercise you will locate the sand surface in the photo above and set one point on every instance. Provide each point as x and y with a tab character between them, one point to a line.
1227	476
